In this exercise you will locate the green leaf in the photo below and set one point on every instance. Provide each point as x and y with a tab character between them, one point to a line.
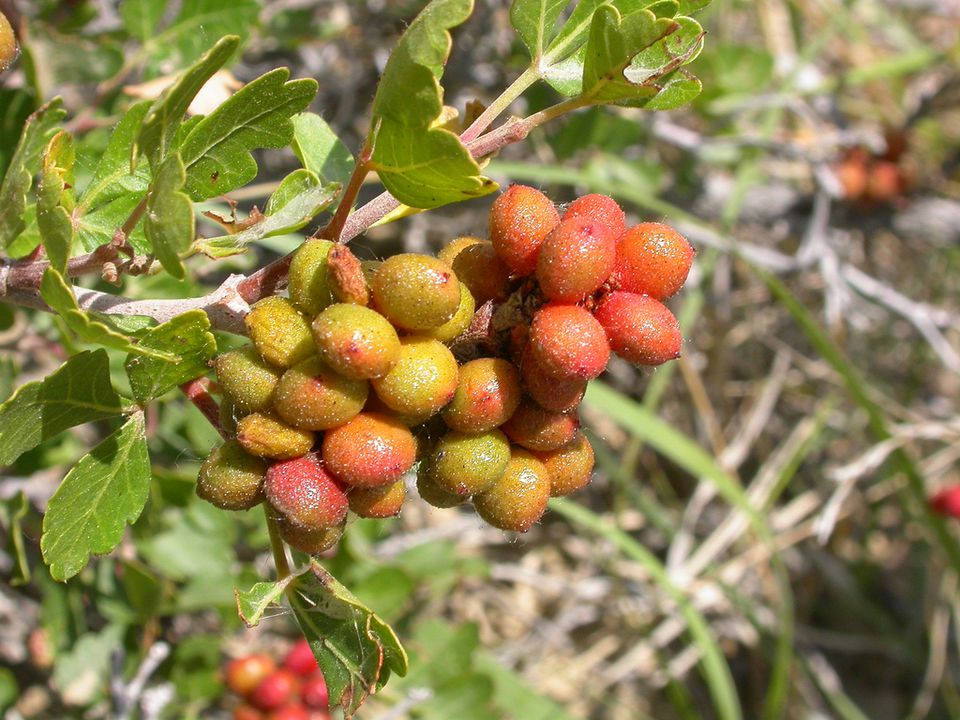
16	104
216	152
427	168
12	512
78	392
19	177
141	17
198	21
614	41
55	200
112	178
162	121
534	21
188	337
680	89
104	491
169	222
574	32
688	7
298	199
253	603
320	150
58	294
355	648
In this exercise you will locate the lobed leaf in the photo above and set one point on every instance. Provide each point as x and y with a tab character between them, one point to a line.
188	337
58	294
78	392
101	494
169	222
216	152
55	200
319	149
162	121
113	177
16	183
299	198
534	21
253	603
355	648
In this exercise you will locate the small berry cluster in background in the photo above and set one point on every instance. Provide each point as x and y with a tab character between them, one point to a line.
294	691
472	363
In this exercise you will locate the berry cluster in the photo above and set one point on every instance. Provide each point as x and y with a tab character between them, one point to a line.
294	691
471	363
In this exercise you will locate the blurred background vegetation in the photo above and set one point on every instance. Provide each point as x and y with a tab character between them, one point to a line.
757	527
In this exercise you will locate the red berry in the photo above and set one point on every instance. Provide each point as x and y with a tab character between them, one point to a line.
640	329
519	221
652	259
568	342
245	673
275	690
601	208
550	393
300	659
947	502
290	712
371	450
305	493
575	259
247	712
314	692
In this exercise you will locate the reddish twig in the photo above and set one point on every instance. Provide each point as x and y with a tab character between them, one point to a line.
198	391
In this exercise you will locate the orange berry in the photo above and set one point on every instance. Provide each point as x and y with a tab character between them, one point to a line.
537	429
482	271
378	502
549	392
602	208
370	450
570	466
519	221
488	392
652	259
640	329
568	342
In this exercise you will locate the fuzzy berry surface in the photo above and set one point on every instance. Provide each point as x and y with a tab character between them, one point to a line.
652	259
520	220
640	329
305	493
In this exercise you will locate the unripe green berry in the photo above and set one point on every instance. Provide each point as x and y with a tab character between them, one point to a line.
280	332
570	466
266	436
246	379
481	269
231	479
370	450
568	342
422	381
431	493
305	494
311	396
519	221
307	278
457	325
378	502
312	542
355	341
8	43
468	463
453	248
535	428
575	259
488	393
519	498
415	292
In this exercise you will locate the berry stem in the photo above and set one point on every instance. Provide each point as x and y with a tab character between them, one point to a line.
198	392
331	231
277	547
496	108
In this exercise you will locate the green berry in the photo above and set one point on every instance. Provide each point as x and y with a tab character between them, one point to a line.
458	324
431	493
307	278
481	269
266	436
280	332
416	292
453	248
246	379
488	393
570	466
464	464
355	341
519	498
421	382
8	43
378	502
370	450
231	479
311	396
305	494
535	428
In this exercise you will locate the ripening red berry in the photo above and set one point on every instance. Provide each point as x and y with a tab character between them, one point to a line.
247	712
549	392
300	660
370	450
245	673
314	692
540	430
275	690
305	493
601	208
652	259
575	259
947	502
519	221
293	711
640	329
568	342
